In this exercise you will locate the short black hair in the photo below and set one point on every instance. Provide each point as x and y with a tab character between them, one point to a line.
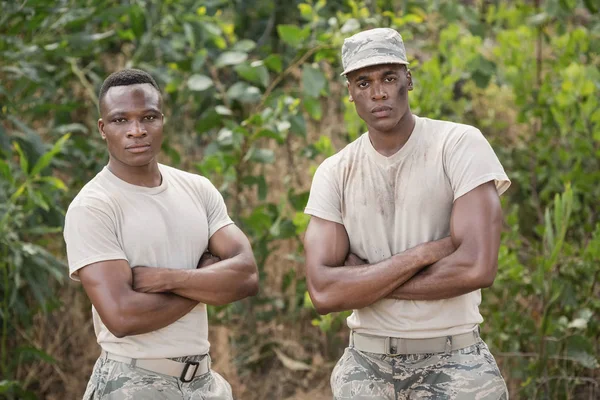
126	77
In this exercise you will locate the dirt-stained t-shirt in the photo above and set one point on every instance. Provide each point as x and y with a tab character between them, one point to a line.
390	204
165	226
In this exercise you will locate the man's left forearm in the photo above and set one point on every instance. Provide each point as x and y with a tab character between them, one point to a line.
220	283
452	276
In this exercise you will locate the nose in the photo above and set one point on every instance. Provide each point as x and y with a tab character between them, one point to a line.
136	130
378	92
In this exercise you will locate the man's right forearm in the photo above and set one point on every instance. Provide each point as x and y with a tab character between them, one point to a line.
140	313
355	287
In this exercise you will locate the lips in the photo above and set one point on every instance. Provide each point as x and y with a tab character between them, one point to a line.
138	148
381	111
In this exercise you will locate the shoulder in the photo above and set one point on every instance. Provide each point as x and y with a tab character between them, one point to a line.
448	135
447	129
94	195
181	177
340	160
197	183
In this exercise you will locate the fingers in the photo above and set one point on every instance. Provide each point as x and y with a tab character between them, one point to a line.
353	260
207	259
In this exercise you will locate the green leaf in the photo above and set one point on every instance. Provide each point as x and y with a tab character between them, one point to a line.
38	200
137	20
199	83
292	34
244	45
222	110
5	170
231	58
301	222
31	353
268	133
264	156
262	188
70	128
54	182
255	72
243	92
313	81
298	125
324	146
22	158
208	120
47	158
199	60
313	108
298	200
274	63
306	11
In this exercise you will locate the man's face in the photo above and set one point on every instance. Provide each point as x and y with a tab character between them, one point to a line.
380	93
132	124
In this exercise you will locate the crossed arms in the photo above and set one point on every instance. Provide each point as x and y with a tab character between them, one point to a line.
466	261
144	299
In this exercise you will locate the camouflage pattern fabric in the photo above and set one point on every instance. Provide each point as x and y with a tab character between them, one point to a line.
113	380
373	47
466	374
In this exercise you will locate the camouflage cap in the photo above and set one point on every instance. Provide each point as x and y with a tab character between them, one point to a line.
373	47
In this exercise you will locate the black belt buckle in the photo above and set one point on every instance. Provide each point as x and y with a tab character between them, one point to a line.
185	370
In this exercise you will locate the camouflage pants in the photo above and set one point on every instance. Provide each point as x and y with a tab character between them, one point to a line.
469	373
114	380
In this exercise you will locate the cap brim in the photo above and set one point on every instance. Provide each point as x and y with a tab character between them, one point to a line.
369	62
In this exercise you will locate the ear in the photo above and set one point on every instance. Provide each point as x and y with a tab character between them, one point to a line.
349	94
101	129
410	81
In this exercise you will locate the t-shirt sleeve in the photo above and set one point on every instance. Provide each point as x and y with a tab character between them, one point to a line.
216	210
470	161
324	200
90	236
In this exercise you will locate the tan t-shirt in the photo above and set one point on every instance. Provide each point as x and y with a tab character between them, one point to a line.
166	226
390	204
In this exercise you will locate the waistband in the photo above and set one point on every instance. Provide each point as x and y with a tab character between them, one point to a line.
393	346
185	371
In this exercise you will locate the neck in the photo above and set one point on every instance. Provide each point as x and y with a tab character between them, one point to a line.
145	175
389	142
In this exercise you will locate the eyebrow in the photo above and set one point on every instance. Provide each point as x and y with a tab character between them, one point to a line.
367	76
121	112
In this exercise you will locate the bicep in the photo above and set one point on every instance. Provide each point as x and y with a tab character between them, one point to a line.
228	242
476	222
325	243
106	284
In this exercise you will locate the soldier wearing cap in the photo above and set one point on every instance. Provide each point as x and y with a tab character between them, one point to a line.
405	231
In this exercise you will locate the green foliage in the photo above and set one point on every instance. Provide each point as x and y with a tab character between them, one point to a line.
26	208
252	98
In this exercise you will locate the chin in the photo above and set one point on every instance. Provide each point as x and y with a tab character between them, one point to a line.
139	161
385	126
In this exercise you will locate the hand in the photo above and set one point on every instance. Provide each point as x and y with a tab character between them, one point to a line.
353	260
148	280
207	259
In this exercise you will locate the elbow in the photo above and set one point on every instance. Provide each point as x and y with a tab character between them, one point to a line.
251	282
321	300
483	276
251	288
322	307
118	327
